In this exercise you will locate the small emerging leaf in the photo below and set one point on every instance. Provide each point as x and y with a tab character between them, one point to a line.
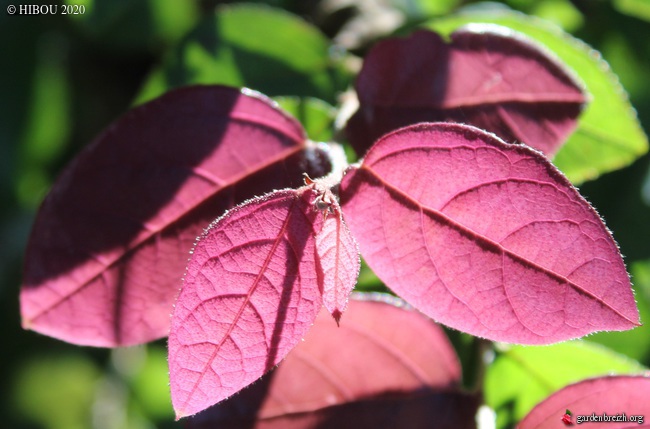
338	252
486	237
340	263
487	76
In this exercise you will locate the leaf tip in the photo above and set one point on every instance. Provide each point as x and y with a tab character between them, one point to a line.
336	314
26	323
182	413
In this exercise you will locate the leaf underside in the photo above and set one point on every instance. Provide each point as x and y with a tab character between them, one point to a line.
251	292
386	366
485	237
492	79
338	258
110	242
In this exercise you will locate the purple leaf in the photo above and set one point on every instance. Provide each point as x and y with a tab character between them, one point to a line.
386	366
485	237
110	242
614	395
340	263
337	250
252	290
486	76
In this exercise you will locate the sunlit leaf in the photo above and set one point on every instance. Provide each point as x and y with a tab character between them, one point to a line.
634	343
486	237
253	288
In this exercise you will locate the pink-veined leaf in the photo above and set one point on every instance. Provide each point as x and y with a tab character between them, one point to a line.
338	252
487	76
253	288
386	366
610	396
109	245
485	237
339	257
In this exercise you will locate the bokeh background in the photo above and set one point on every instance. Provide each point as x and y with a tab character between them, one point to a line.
63	79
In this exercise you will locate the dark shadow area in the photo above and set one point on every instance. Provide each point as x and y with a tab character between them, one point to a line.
437	87
392	78
123	179
298	231
238	411
109	193
423	408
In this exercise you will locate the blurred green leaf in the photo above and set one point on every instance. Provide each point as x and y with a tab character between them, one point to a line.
265	49
420	9
609	136
645	189
57	392
151	384
48	121
634	343
368	280
316	116
521	377
637	8
135	24
560	12
628	62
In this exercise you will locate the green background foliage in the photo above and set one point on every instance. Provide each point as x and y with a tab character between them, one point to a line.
65	78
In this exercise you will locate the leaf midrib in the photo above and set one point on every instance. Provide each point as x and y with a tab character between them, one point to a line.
240	311
157	231
495	99
482	239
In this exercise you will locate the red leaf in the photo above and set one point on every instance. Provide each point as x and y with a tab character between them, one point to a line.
485	237
387	366
614	396
339	257
251	292
486	76
110	242
337	250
